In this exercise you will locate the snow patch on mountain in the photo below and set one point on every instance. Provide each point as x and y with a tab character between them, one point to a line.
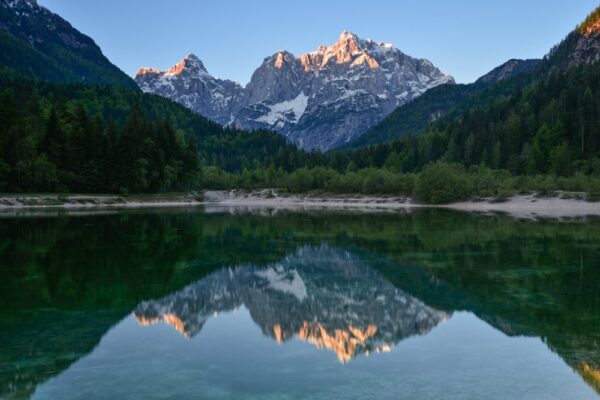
288	111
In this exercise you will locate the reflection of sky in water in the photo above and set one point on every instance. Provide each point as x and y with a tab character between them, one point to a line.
231	358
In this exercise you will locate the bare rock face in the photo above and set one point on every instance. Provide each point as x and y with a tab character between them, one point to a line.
509	69
189	83
580	47
319	100
587	48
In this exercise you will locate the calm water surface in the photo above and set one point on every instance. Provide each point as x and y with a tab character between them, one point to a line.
229	305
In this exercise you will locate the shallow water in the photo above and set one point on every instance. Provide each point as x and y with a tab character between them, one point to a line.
183	303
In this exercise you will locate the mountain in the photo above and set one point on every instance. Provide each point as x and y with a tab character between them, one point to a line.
545	122
509	69
321	295
580	47
72	121
416	116
319	100
39	43
190	84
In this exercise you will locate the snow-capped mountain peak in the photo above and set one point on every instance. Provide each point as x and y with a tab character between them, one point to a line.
283	58
345	35
189	63
349	49
318	100
189	83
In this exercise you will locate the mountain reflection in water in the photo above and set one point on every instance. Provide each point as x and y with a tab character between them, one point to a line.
319	294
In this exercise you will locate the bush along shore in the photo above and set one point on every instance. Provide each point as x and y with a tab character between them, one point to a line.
436	183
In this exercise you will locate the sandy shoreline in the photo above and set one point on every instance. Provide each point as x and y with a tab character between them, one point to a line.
531	206
82	201
521	206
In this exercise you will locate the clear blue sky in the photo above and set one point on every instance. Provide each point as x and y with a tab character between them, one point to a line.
465	38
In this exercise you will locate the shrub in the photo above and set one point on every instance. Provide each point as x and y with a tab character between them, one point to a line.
442	182
594	191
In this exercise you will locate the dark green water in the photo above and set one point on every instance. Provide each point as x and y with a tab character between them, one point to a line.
188	304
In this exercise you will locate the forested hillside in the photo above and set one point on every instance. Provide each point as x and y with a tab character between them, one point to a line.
448	100
107	139
39	43
549	126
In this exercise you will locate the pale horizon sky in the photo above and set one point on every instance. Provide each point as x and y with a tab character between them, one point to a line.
465	38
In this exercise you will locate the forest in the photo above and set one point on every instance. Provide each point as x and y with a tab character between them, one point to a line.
549	127
523	135
104	139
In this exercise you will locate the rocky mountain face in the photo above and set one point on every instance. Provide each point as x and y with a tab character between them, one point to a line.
580	47
34	41
321	295
585	41
190	84
319	100
509	69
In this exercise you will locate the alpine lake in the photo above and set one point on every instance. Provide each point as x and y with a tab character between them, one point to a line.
220	303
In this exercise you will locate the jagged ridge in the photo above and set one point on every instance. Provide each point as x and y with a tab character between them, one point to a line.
319	100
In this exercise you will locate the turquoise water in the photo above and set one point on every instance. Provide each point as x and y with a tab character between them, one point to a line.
221	305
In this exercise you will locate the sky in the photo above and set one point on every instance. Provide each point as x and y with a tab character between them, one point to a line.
465	38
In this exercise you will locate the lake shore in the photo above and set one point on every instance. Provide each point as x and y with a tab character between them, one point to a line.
521	206
88	201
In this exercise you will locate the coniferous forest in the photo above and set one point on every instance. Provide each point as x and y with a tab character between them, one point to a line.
77	138
550	126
